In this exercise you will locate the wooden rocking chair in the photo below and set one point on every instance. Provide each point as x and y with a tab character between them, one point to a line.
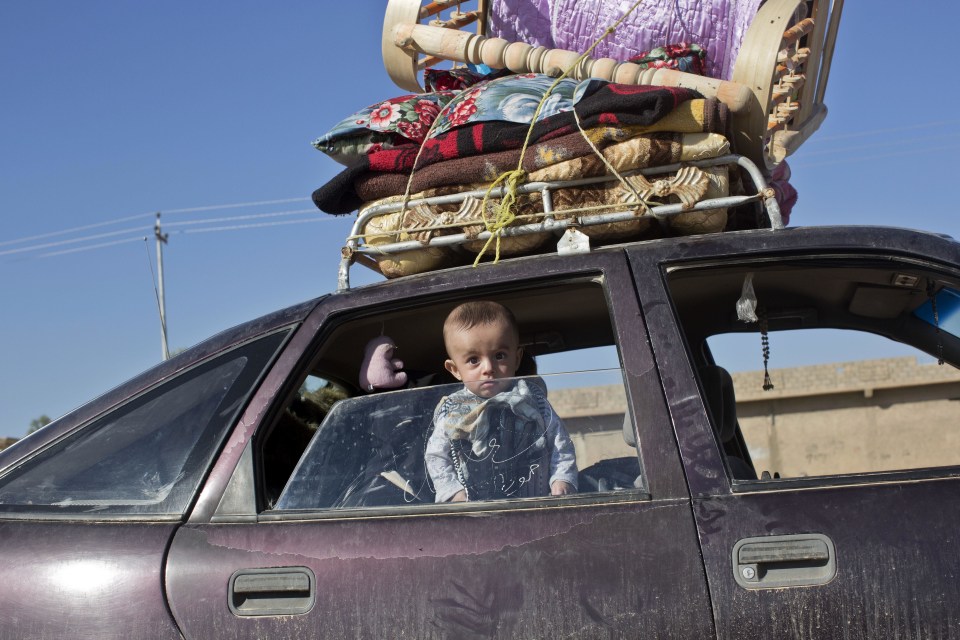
775	96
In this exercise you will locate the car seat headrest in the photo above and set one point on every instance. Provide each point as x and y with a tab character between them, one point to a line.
721	400
628	434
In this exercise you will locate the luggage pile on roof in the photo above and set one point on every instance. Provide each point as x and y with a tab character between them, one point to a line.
484	163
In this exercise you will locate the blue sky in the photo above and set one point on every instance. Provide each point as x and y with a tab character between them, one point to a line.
112	111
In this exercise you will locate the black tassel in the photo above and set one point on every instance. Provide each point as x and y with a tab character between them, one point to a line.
765	343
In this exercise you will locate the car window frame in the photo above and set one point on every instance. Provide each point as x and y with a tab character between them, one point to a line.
229	499
427	301
716	477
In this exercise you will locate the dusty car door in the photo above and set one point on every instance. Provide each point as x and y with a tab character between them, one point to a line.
858	538
619	559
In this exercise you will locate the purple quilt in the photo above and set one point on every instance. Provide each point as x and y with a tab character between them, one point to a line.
716	25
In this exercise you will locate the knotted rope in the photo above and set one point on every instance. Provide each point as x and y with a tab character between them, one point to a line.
511	180
504	212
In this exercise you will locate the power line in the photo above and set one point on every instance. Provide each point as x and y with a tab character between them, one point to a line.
868	159
880	145
860	134
90	247
252	216
73	229
150	215
211	229
254	226
185	222
60	243
233	206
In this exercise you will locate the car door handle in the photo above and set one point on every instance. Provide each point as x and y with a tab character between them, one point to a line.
784	561
272	592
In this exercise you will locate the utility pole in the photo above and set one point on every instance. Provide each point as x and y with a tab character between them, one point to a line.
161	240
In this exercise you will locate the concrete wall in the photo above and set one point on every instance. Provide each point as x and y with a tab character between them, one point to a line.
852	417
594	418
848	417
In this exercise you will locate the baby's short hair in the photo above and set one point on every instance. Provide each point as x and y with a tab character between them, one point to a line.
478	312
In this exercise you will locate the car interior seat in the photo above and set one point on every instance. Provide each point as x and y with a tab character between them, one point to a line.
614	474
722	403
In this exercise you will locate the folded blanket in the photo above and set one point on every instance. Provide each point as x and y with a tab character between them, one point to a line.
638	152
699	115
603	103
489	166
422	222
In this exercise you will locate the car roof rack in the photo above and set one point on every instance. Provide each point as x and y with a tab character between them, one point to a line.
357	249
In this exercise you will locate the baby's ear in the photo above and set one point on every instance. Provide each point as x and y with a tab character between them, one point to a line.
451	366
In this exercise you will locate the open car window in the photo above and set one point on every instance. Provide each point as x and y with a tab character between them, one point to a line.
850	365
894	411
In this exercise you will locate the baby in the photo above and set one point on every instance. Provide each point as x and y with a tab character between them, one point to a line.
498	437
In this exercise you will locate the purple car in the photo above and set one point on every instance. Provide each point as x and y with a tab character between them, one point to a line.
251	488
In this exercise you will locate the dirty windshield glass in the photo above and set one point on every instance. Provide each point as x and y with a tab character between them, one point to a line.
147	456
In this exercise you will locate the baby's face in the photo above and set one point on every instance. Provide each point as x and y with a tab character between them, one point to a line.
482	356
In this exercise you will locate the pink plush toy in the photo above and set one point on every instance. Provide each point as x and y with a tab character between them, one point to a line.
380	370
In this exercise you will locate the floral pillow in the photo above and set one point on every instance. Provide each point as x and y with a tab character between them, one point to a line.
384	125
511	98
406	119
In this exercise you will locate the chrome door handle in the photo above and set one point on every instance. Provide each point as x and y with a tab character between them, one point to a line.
272	592
784	561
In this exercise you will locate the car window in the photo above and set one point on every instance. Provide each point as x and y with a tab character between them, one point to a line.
149	455
299	421
564	416
844	414
374	450
847	365
586	389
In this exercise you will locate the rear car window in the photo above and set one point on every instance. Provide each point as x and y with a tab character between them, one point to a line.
847	365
